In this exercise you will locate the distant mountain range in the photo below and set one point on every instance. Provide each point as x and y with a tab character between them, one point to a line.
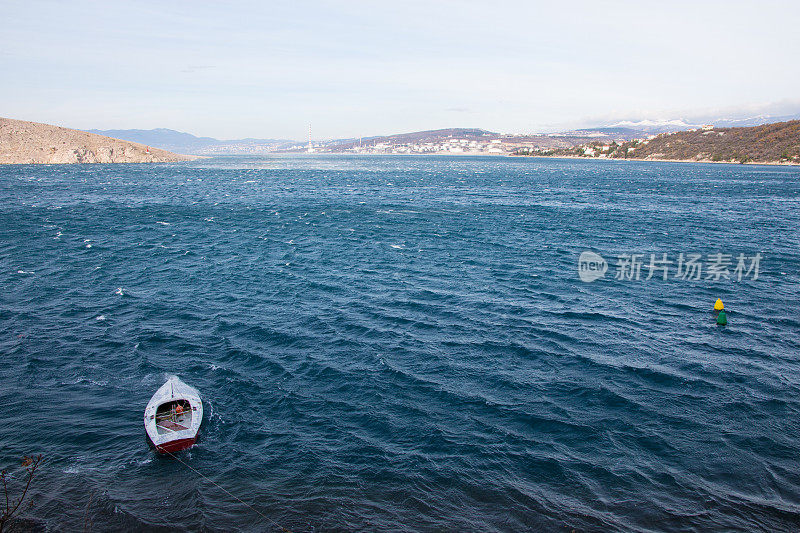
186	143
672	125
619	131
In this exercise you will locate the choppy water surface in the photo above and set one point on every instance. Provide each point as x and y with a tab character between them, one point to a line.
402	343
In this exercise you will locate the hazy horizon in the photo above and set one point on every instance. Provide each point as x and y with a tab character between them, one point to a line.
360	69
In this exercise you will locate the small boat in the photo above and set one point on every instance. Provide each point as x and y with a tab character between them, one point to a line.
173	416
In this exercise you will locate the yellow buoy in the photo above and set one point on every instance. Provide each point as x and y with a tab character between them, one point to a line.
718	305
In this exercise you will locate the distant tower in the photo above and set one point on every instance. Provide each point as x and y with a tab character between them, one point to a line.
310	148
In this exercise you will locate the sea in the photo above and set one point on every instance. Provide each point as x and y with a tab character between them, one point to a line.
404	343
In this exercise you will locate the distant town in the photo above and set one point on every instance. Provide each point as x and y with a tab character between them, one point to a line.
460	141
448	146
769	143
775	143
762	138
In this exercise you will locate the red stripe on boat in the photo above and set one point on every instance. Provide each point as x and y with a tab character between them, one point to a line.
175	445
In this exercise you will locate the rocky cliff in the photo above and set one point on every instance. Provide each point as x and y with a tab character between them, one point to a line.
24	142
770	143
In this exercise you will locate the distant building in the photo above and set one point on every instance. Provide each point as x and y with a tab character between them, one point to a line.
707	127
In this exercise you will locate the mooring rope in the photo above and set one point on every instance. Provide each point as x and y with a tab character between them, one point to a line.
228	492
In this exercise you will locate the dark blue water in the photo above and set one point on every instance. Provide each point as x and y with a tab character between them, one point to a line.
399	343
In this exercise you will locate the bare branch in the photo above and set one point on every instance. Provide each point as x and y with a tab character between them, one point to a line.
30	464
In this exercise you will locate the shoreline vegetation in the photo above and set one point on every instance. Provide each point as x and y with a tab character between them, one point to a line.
655	160
770	144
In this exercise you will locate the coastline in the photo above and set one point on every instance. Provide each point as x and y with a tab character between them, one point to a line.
647	160
44	164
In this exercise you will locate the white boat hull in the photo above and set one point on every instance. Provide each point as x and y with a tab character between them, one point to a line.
173	416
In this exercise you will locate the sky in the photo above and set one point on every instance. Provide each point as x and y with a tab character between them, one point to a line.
268	69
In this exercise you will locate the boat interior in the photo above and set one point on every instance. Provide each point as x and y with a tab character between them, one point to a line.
173	416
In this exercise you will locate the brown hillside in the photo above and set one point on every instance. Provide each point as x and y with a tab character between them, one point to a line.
24	142
778	142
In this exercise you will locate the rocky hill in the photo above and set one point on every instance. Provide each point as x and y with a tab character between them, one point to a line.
24	142
769	143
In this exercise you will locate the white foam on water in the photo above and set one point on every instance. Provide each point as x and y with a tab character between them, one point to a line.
77	381
88	245
119	292
24	272
397	246
100	317
163	223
